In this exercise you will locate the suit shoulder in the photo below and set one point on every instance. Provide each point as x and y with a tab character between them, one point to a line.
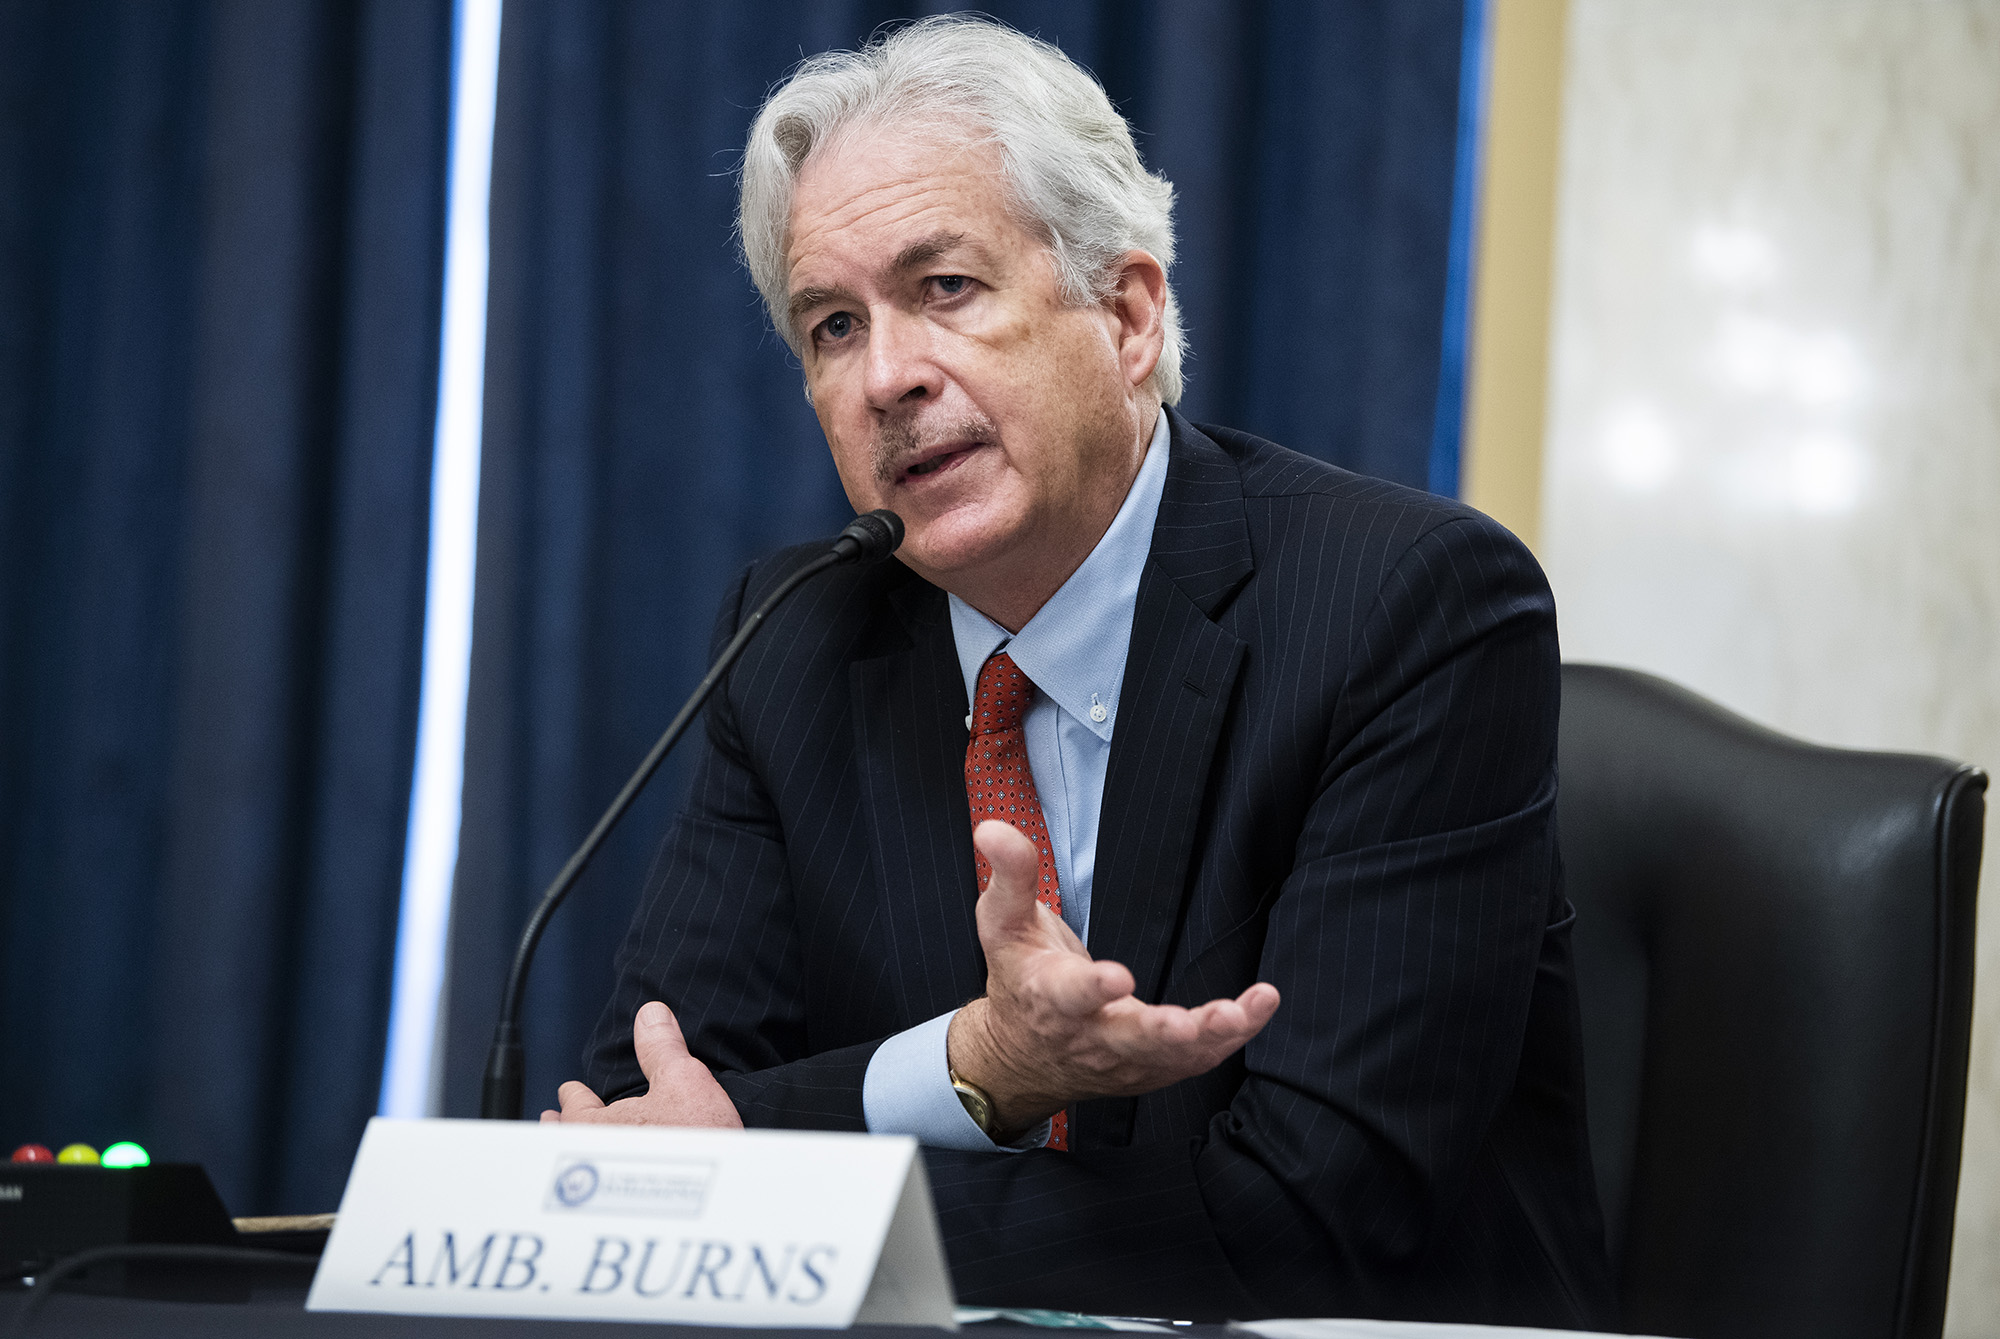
1270	470
1395	516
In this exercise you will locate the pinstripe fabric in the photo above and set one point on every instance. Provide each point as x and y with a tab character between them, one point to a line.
1334	770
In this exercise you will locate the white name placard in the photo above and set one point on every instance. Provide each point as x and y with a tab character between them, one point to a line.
597	1222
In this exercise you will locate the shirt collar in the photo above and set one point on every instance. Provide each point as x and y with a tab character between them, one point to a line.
1074	647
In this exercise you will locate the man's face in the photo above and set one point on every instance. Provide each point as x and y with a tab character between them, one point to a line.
954	384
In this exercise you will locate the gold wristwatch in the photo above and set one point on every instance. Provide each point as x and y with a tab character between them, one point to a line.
977	1105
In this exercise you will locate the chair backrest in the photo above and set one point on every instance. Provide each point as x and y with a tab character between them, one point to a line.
1774	959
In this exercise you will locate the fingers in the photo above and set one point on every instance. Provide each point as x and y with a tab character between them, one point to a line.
1007	907
656	1038
1259	1003
1232	1023
680	1089
1190	1041
576	1098
1078	986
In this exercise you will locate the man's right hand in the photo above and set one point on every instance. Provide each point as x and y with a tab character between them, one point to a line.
1057	1027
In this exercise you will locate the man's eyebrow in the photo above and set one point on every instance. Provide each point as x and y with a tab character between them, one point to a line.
806	299
922	252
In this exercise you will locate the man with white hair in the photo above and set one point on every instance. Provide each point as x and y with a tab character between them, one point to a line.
1246	989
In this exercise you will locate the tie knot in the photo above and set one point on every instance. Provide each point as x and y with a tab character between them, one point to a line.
1000	699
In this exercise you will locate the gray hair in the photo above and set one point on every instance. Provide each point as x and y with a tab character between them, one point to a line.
1072	171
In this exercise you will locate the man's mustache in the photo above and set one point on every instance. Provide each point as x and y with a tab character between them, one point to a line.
903	440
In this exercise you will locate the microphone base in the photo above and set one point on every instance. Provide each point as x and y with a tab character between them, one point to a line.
500	1091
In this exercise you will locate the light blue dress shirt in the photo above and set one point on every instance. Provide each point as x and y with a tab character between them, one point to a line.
1073	650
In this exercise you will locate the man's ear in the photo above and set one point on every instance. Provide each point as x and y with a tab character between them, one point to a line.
1139	305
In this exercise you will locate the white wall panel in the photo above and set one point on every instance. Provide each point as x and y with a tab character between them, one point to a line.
1773	468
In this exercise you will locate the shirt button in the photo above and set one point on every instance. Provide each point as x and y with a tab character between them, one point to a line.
1098	713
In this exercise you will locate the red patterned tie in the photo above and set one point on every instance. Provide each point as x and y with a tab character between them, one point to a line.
998	785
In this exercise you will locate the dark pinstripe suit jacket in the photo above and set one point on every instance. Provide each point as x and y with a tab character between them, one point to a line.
1334	770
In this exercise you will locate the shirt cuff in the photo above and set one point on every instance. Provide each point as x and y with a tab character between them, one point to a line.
907	1090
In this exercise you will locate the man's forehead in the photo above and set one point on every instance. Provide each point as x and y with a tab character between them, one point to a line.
888	153
896	201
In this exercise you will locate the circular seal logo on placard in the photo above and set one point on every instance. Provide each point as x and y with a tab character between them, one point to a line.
575	1184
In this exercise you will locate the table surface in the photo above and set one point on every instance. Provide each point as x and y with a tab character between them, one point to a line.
281	1311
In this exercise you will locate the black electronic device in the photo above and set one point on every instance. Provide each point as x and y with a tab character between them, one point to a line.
48	1212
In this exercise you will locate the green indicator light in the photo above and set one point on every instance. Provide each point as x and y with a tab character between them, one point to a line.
125	1153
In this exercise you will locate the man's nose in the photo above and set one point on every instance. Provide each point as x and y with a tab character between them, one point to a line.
902	367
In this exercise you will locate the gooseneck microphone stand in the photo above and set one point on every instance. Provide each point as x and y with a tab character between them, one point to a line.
868	538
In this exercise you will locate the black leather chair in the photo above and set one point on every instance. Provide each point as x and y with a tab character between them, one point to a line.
1774	958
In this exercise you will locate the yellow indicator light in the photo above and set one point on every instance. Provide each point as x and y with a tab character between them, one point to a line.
78	1155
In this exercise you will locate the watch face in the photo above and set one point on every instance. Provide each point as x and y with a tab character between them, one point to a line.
976	1105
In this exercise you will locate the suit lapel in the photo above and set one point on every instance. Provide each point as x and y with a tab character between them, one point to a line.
1179	678
909	722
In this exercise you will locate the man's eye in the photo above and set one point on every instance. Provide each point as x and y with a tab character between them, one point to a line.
837	326
951	285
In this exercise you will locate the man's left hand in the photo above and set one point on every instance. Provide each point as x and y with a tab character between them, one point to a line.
680	1090
1056	1026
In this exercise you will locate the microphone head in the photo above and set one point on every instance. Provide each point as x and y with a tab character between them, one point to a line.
870	536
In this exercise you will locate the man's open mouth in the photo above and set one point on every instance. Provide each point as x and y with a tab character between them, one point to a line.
941	459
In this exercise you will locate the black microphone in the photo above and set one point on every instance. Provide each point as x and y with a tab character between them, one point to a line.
868	538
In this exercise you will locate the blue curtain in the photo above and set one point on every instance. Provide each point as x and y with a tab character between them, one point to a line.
221	237
646	435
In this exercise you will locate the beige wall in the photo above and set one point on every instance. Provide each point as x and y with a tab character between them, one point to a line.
1502	467
1773	419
